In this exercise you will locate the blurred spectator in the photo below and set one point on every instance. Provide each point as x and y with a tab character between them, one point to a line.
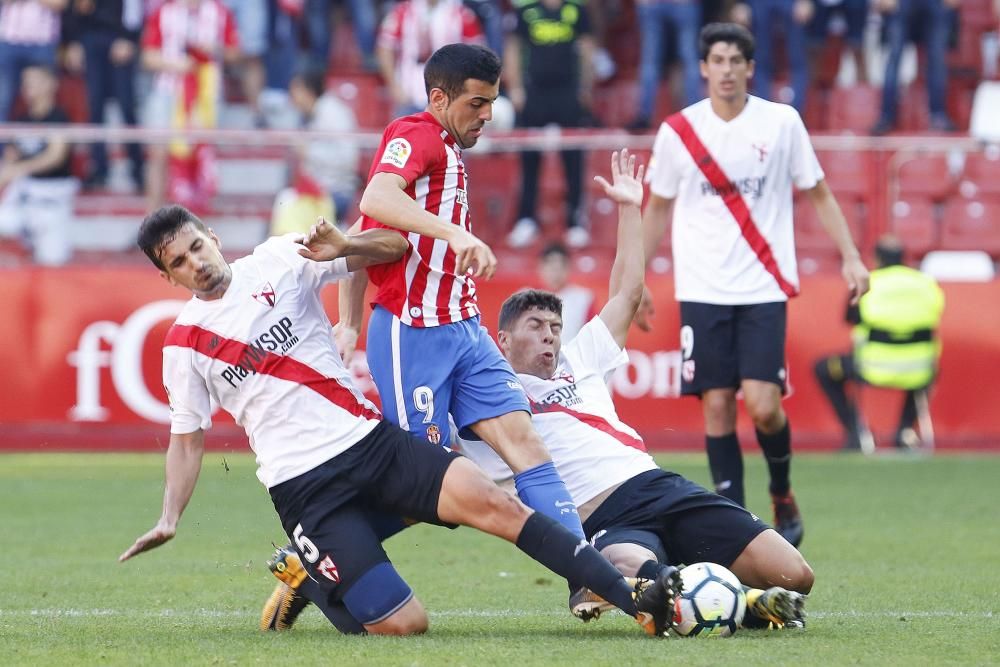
29	35
554	270
38	188
895	345
788	18
490	15
549	70
854	15
318	25
251	18
929	21
333	165
102	43
410	33
184	43
684	17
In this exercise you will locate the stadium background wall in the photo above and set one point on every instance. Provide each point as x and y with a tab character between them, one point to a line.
81	364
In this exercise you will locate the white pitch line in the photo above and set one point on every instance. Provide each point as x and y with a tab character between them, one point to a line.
53	612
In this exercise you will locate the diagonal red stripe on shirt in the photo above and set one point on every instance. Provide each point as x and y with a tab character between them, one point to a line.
235	353
731	197
593	421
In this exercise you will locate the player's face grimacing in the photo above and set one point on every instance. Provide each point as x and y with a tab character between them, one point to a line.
532	344
727	71
193	259
465	116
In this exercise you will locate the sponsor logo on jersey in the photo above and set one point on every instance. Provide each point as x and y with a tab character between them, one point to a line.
278	338
434	434
753	187
328	569
563	396
397	152
265	295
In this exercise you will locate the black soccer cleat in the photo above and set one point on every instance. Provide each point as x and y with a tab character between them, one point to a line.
787	519
285	604
655	601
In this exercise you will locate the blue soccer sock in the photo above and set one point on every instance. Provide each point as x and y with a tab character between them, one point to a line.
542	489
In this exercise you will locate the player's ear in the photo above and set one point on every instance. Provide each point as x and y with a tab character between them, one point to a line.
438	99
215	238
166	276
503	340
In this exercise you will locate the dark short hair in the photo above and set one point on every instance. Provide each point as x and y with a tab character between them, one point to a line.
730	33
161	227
524	300
452	65
313	77
555	248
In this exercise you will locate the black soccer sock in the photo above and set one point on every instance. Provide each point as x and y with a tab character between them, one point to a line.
545	540
650	569
778	453
335	612
830	374
725	460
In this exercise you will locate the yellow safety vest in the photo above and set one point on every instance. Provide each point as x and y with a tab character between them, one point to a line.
896	343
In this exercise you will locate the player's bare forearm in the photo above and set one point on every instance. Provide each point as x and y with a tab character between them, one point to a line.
832	219
627	273
183	466
374	246
655	221
384	200
351	300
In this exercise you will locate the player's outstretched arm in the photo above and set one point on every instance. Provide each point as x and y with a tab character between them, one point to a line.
385	200
626	287
325	242
828	210
183	466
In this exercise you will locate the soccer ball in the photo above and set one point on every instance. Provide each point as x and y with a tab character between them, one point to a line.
713	602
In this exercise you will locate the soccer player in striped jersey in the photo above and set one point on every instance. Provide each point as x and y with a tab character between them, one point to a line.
723	170
255	339
427	351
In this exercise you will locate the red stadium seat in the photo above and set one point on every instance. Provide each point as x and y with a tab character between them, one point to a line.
849	173
926	176
811	236
972	224
981	175
494	186
912	219
853	110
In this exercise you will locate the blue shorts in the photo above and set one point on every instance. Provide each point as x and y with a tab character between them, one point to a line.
423	374
678	520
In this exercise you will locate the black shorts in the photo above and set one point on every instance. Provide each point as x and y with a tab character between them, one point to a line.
724	345
334	513
692	523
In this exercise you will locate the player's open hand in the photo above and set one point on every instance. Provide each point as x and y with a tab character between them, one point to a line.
324	242
471	255
626	184
856	275
346	339
160	534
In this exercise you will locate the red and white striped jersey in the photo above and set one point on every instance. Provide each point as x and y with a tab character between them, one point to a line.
176	29
421	288
575	415
264	352
28	22
415	29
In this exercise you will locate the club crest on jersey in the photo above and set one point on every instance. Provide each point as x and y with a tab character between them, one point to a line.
397	153
328	569
761	151
434	434
265	295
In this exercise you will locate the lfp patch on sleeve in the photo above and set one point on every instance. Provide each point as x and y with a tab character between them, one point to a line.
397	153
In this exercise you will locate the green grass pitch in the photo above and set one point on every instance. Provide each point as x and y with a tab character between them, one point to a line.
906	553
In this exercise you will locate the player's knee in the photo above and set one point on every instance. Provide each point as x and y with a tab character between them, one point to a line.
627	557
411	620
766	414
720	409
804	578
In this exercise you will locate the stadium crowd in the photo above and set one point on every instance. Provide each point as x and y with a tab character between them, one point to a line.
843	64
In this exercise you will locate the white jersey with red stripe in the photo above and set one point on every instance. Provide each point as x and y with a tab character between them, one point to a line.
264	352
762	152
575	415
422	288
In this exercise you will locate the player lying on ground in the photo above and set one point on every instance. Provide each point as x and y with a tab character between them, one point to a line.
641	517
256	339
